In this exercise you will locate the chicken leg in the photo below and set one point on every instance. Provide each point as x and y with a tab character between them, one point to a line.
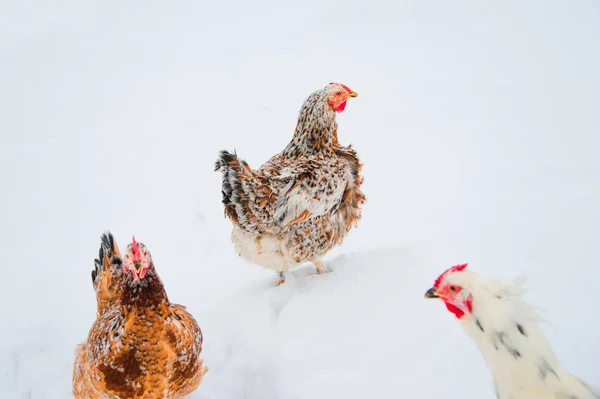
281	278
320	266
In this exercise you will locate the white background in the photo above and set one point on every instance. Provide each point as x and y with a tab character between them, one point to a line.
478	123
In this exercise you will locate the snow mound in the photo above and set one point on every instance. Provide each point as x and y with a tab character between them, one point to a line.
359	331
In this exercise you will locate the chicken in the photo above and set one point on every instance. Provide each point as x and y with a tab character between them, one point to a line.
303	201
504	327
141	345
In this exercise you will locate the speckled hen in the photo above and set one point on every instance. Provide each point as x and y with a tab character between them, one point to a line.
303	201
140	346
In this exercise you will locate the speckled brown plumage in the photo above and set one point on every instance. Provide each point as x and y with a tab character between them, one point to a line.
303	201
141	346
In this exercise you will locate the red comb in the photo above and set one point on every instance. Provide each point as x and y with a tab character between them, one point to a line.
344	86
453	269
135	249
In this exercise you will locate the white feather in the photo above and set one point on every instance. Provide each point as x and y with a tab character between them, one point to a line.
505	329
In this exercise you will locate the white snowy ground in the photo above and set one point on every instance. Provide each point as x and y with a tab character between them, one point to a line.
479	126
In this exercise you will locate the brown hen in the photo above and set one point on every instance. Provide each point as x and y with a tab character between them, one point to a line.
303	201
141	346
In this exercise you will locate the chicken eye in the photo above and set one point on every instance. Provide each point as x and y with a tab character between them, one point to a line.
338	93
452	288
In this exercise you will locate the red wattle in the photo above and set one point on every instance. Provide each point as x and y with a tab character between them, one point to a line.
457	312
135	275
341	107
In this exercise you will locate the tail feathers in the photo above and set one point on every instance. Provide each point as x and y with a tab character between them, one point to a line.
108	254
234	171
107	274
229	166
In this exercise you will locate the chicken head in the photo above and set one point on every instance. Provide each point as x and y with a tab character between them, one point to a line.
137	260
338	94
458	300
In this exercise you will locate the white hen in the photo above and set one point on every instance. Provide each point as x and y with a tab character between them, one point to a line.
504	327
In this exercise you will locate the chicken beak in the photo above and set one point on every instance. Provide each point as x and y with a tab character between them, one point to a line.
352	94
431	293
137	267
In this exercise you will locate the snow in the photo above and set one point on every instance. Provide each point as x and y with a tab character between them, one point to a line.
478	125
